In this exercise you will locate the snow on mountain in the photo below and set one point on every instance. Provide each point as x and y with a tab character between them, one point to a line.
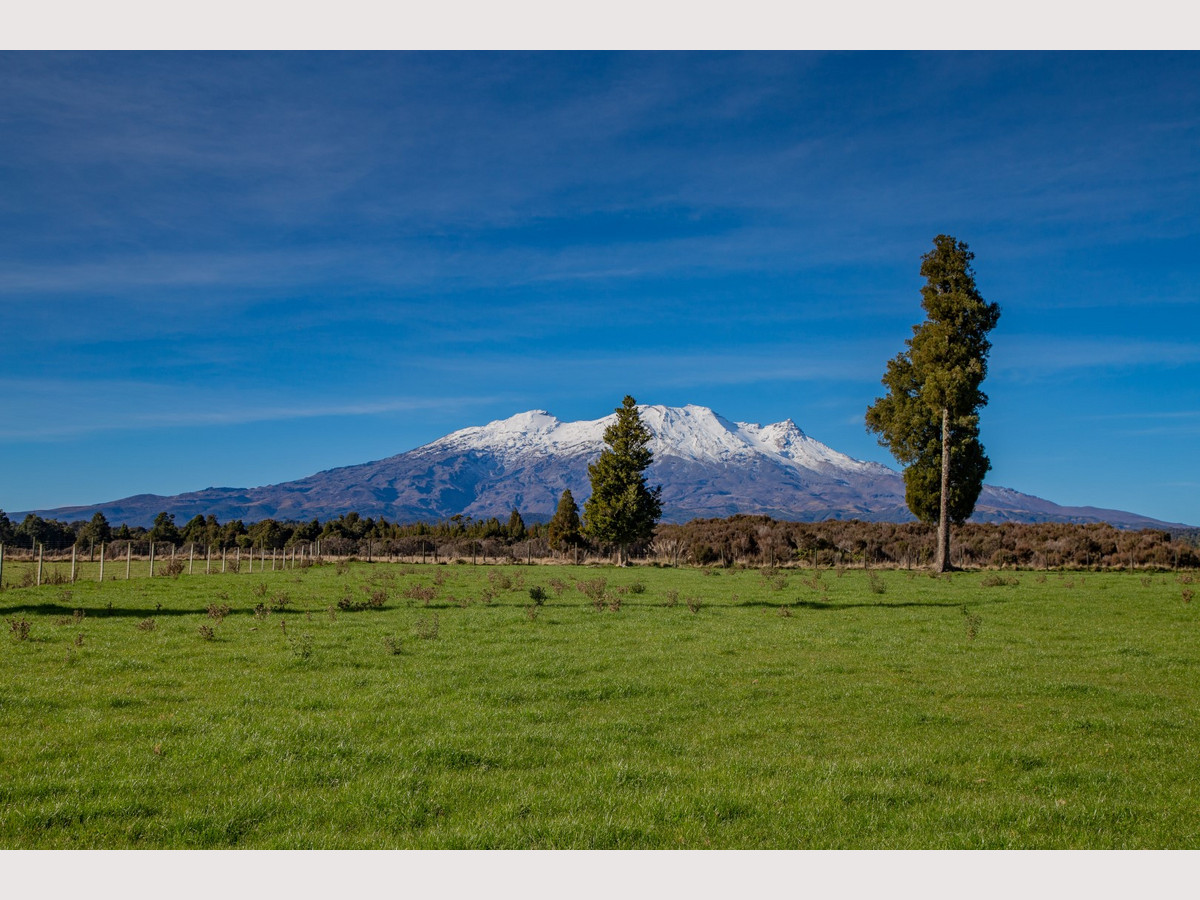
693	433
708	466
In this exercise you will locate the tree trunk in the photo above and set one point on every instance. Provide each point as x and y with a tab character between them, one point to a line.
942	563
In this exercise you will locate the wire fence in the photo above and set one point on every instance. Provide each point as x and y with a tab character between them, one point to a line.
124	560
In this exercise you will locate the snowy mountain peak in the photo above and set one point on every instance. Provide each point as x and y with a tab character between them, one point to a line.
692	433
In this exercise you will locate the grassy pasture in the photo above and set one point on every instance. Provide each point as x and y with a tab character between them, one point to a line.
724	708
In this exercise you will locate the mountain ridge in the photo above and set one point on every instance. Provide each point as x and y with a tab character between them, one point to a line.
709	467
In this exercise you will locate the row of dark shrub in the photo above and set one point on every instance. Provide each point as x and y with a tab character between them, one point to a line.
764	541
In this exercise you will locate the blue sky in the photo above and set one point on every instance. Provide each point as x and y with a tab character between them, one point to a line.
239	269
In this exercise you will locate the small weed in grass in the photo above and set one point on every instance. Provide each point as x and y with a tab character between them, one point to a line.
531	612
261	612
998	580
499	580
301	646
280	601
332	610
172	568
614	603
147	625
672	598
875	583
537	594
420	592
427	629
19	629
207	633
593	588
637	588
218	611
392	645
1187	595
971	621
79	639
694	605
558	586
785	612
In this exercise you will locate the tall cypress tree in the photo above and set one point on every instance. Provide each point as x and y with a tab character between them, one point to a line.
622	510
929	418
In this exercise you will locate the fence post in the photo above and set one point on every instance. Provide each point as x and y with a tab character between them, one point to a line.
237	558
1	566
72	564
222	560
152	559
191	554
101	562
39	574
128	557
208	559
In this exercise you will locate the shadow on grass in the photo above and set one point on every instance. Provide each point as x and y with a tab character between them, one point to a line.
876	604
58	609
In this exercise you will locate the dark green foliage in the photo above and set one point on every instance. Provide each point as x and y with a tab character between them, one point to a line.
95	532
516	526
565	529
35	530
622	510
931	408
6	529
164	529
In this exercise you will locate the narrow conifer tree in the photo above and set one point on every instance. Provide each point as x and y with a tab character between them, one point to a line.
929	418
564	528
516	526
622	510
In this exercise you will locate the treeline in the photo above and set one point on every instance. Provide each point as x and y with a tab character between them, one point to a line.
738	540
341	535
760	540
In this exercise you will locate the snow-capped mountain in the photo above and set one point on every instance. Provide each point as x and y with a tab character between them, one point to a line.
708	466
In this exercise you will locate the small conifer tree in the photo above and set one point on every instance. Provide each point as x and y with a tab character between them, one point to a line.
622	510
516	526
564	528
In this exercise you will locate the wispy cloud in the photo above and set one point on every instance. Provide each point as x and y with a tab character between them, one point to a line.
57	410
1034	356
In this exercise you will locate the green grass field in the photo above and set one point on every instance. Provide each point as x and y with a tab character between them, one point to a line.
723	708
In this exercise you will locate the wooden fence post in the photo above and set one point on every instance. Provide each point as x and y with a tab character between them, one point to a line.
191	555
39	572
102	562
128	557
152	559
72	564
1	566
